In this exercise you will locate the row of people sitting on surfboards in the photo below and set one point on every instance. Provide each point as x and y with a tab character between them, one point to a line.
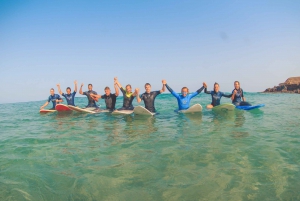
183	99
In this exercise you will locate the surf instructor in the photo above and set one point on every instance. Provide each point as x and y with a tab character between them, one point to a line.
69	96
110	99
91	101
185	98
149	96
54	98
128	96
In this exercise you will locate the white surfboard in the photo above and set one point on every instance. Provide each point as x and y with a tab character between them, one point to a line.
140	110
87	110
44	111
122	112
224	107
192	109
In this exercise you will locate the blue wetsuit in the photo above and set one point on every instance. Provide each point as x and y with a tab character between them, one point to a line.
216	96
92	102
69	98
184	102
237	101
53	100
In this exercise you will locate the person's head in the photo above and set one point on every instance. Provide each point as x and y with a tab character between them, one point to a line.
128	88
184	91
148	87
68	90
107	90
237	85
90	87
52	91
216	87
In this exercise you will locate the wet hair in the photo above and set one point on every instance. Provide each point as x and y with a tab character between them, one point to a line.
51	89
185	88
89	85
237	82
128	85
216	84
106	88
147	85
68	88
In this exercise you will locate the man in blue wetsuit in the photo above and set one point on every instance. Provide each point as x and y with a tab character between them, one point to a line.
110	99
91	100
69	96
148	97
185	98
54	98
216	95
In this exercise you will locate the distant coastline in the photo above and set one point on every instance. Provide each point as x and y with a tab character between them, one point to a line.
291	85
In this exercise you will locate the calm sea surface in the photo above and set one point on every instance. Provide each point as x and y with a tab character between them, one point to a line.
241	155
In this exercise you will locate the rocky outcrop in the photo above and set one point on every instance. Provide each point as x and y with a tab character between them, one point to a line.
291	85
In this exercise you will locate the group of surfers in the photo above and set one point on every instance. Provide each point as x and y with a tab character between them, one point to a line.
183	99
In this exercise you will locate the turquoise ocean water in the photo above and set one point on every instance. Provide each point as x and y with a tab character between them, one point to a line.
241	155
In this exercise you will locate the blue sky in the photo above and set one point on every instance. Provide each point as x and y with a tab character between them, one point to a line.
43	43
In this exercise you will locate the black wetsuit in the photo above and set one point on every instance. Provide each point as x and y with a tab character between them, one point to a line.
127	100
148	99
92	102
110	101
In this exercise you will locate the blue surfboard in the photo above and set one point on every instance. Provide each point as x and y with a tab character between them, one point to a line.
250	107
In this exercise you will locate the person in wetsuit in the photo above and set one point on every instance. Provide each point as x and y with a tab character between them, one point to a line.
149	97
54	98
238	95
216	95
91	100
110	99
128	96
69	96
185	98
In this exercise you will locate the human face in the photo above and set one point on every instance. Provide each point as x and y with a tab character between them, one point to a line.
236	85
216	87
107	91
52	92
184	92
128	89
148	88
90	87
68	91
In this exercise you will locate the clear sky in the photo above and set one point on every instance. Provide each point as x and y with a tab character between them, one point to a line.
43	43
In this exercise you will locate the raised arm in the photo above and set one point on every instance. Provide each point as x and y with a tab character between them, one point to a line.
116	87
136	93
171	90
59	90
164	82
117	82
75	83
80	91
205	88
197	92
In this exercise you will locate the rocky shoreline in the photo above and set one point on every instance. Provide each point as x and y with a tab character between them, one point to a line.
291	85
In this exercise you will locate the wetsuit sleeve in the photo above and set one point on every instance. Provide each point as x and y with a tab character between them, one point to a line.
196	92
49	99
172	92
103	96
207	92
227	96
199	90
123	90
58	97
84	93
142	96
242	95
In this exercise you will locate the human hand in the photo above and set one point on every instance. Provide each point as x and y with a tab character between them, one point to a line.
164	81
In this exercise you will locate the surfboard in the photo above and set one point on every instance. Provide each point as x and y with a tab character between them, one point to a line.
250	107
47	111
86	110
122	112
140	110
192	109
224	107
62	108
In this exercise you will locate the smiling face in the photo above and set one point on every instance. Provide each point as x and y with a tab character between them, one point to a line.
52	92
107	91
216	87
236	85
68	90
128	88
90	87
184	91
147	88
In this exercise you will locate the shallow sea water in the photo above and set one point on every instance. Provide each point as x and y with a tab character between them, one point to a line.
240	155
